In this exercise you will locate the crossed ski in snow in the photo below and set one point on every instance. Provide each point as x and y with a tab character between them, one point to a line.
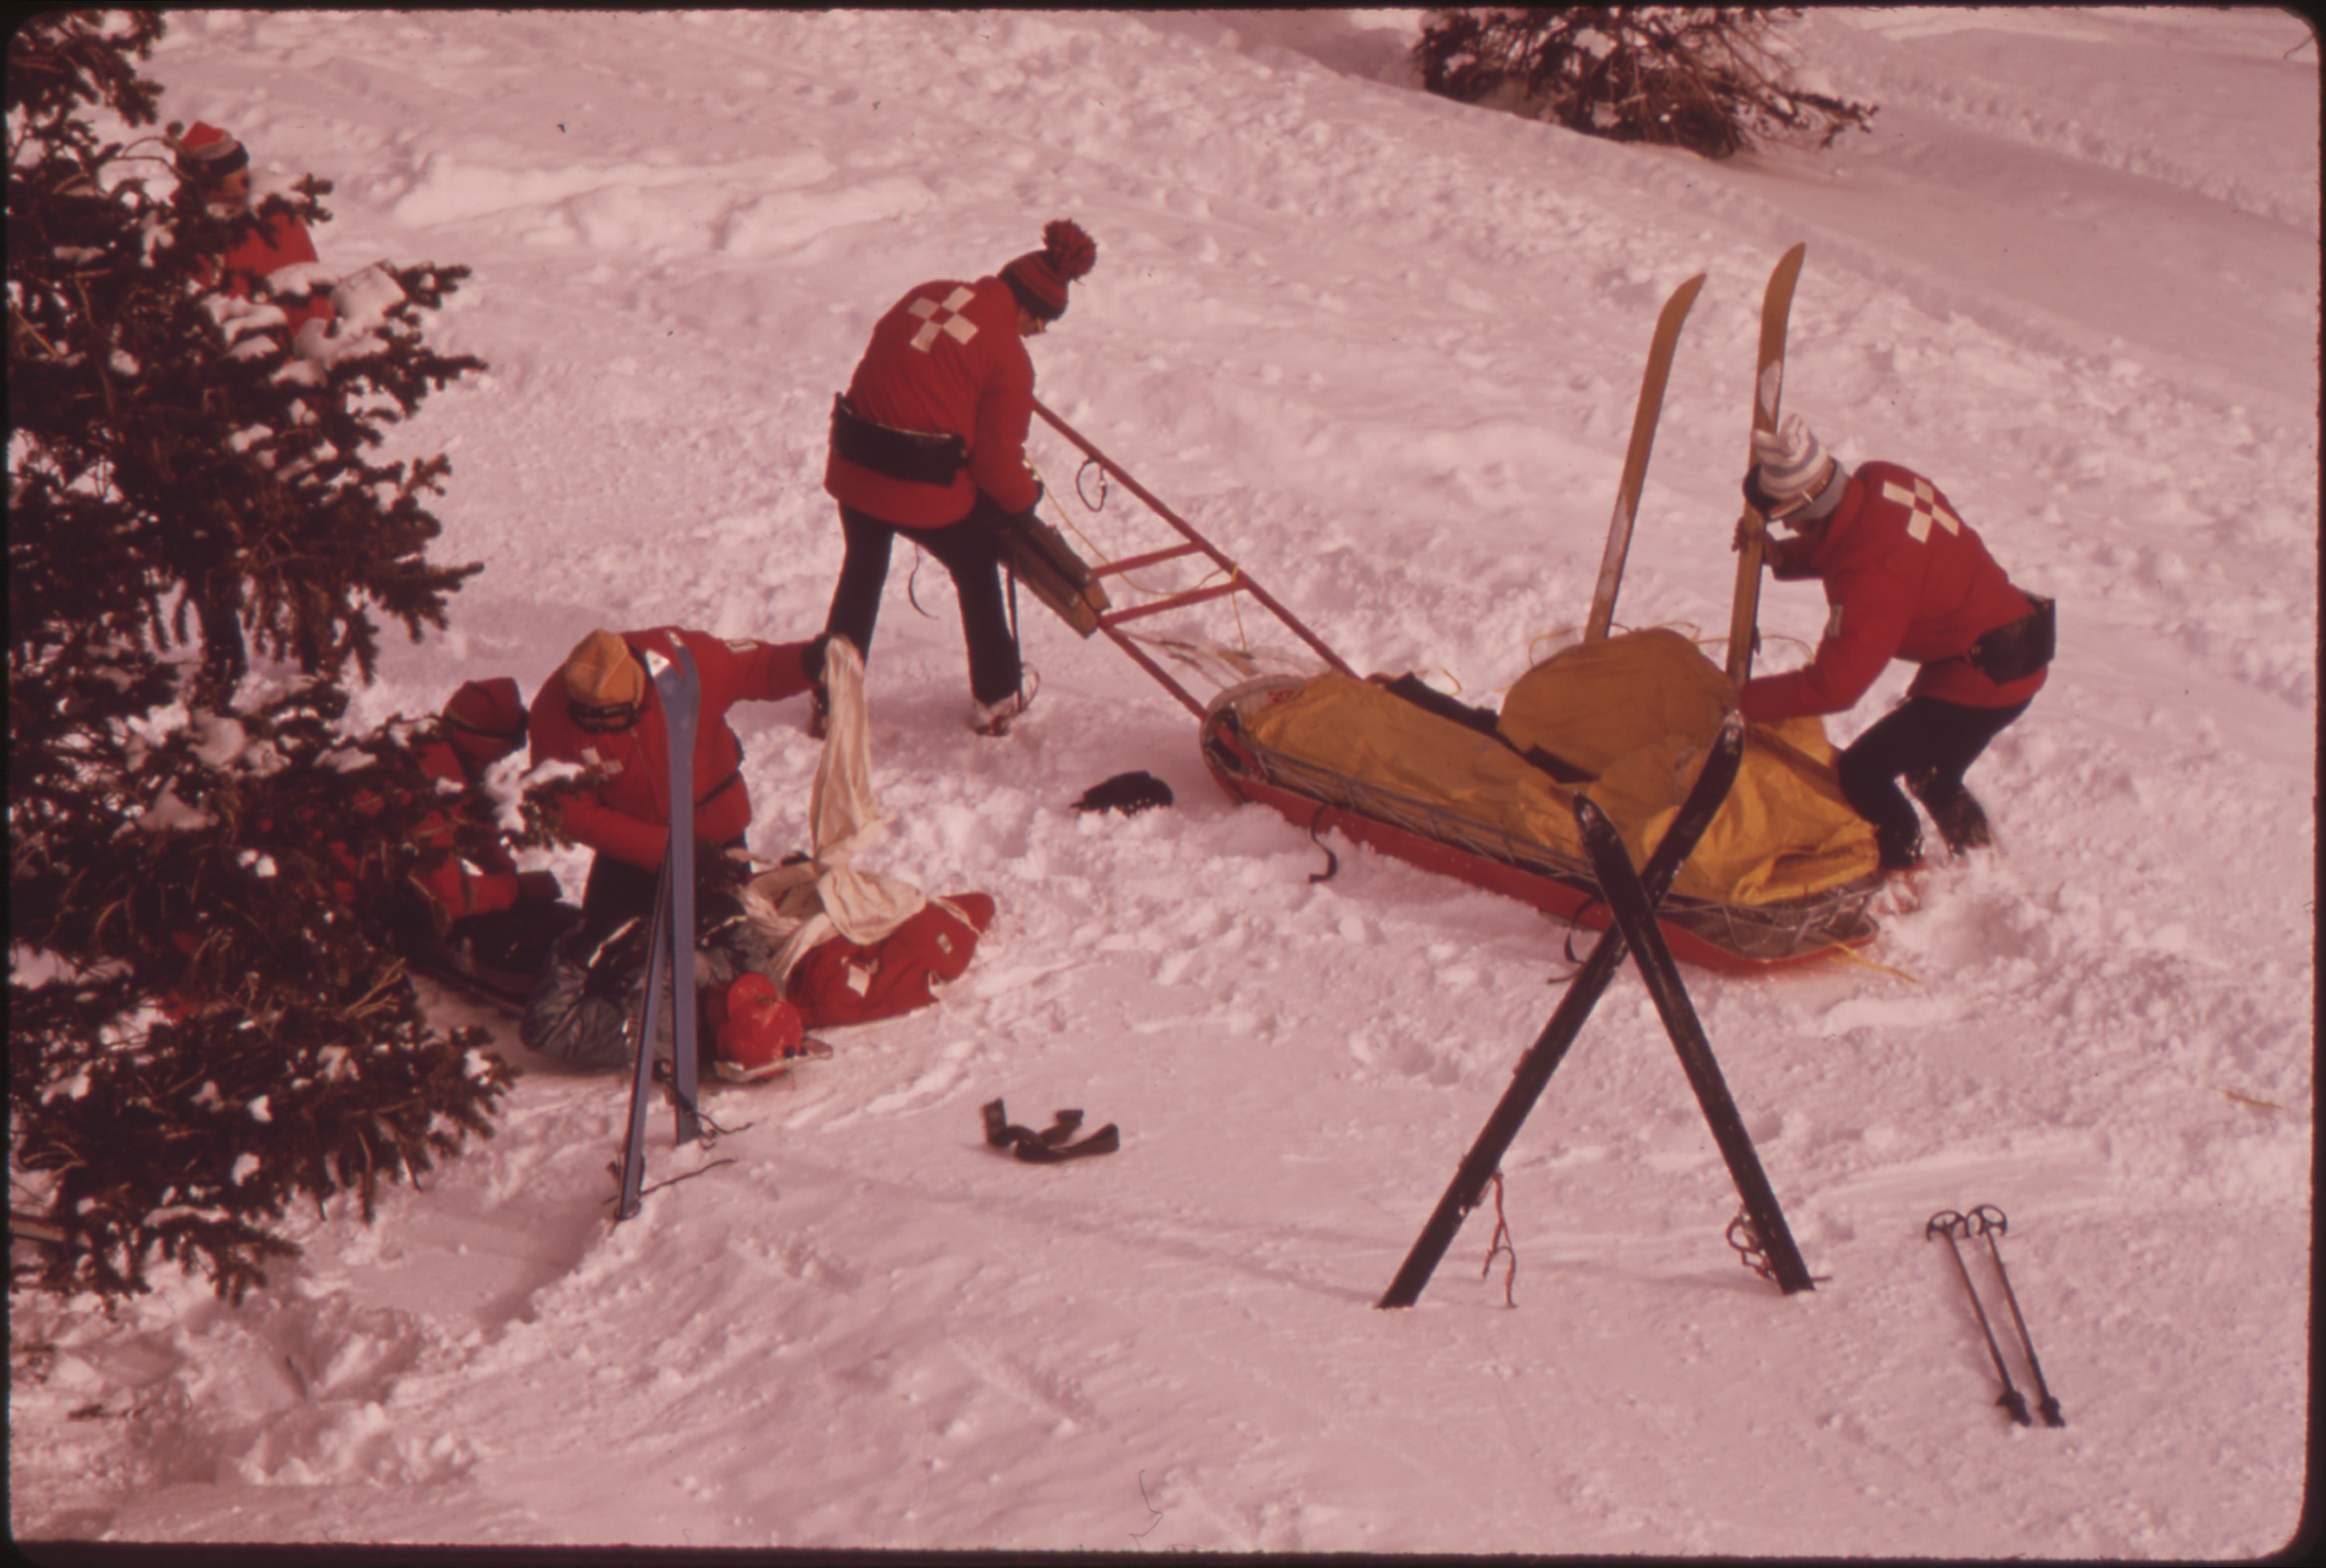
1633	896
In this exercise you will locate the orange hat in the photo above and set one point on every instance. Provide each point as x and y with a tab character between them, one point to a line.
484	720
602	673
1040	278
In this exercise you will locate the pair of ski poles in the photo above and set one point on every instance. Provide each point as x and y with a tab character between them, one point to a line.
1988	1222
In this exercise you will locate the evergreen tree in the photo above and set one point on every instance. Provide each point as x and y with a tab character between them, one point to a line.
205	1024
1712	79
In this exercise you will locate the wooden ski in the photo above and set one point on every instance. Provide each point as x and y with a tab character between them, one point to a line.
1636	460
1768	391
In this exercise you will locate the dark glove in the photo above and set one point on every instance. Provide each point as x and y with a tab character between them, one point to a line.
812	660
1748	528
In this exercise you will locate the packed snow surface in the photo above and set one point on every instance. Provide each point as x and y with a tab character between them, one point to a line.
1385	348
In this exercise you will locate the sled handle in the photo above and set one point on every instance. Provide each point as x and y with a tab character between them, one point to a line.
1241	580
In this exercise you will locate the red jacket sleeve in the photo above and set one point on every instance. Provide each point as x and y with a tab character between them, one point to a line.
746	669
1871	610
1005	411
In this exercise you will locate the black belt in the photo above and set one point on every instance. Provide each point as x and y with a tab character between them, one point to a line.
923	458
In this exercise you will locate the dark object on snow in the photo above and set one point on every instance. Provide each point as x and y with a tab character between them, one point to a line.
1128	793
1049	1146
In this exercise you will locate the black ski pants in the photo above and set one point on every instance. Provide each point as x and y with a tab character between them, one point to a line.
971	551
1922	737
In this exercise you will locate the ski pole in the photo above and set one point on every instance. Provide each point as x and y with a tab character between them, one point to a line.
1991	1222
1949	1224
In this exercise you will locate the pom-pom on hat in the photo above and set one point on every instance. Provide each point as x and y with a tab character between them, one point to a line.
208	154
602	675
484	720
1040	278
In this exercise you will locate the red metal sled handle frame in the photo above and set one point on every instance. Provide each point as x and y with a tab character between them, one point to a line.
1239	581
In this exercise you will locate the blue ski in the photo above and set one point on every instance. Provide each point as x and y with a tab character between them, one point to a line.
670	945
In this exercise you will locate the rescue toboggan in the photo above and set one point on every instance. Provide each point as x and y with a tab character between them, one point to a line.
1785	874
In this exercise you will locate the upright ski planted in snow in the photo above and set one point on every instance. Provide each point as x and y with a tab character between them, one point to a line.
1635	916
671	945
1636	460
1768	392
1532	1074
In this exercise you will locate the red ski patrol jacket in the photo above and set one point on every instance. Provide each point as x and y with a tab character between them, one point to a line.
627	815
461	888
279	241
1908	579
945	360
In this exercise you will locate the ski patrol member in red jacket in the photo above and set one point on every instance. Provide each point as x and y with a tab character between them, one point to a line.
219	167
1907	579
601	710
930	441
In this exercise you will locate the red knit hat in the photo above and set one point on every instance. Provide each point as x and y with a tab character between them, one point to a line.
485	721
1040	278
208	154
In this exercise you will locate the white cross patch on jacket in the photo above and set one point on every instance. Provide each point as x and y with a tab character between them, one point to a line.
1922	508
944	318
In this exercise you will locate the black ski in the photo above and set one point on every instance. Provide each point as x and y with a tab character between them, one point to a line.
1534	1069
1635	916
670	945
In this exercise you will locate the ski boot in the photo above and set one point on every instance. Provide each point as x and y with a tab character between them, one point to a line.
1960	821
994	720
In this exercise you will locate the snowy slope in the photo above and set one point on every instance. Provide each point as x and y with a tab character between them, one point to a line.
1385	348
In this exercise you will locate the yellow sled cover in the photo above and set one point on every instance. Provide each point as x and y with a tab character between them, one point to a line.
1631	715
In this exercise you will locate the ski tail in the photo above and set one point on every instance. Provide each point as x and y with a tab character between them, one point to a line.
1634	913
1649	409
1768	393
